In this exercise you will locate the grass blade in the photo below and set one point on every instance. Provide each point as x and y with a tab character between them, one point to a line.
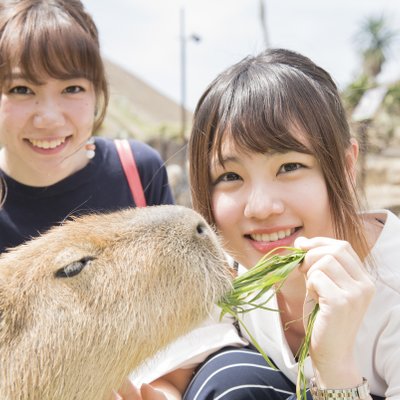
268	274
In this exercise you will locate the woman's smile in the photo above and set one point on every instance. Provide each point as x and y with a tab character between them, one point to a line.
265	242
48	145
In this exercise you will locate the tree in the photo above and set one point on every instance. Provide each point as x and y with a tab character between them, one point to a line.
375	39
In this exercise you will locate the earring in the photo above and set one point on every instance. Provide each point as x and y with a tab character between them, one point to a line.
90	148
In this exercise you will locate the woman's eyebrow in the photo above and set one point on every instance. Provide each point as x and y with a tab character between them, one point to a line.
19	75
228	158
16	73
233	158
221	161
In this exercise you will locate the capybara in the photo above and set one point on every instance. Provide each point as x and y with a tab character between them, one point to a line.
84	304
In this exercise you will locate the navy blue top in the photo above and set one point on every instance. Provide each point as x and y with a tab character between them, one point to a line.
100	186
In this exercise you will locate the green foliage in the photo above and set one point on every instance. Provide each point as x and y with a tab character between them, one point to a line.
249	288
375	38
391	102
355	90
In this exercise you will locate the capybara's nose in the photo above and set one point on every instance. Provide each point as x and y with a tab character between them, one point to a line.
201	229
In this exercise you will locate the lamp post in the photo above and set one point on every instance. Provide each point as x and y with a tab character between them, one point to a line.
183	41
183	73
263	21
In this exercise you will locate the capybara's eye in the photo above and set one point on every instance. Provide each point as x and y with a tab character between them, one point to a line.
73	268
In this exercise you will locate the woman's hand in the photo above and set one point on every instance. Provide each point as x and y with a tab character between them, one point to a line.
129	391
338	281
163	390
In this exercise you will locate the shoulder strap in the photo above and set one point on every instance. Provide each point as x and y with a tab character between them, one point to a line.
129	166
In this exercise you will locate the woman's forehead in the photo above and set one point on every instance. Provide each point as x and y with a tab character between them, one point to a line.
231	151
226	145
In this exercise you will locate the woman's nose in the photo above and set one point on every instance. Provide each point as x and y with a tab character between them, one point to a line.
48	115
263	203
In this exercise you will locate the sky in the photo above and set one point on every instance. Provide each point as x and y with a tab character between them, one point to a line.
144	37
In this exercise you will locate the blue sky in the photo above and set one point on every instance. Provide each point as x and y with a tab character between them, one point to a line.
143	36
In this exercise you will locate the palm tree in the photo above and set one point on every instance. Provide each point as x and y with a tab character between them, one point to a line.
375	39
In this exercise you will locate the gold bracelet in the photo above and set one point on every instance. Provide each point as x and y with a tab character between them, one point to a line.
360	392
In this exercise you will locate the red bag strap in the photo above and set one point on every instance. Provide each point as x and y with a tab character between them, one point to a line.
132	175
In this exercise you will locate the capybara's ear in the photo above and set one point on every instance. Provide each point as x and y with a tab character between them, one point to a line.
11	323
10	318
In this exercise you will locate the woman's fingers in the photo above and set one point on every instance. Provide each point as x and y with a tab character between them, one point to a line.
339	250
149	393
127	391
337	279
335	275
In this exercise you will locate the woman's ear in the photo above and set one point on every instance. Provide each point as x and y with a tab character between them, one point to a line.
351	159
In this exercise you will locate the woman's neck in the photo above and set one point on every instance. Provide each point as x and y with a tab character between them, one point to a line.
373	224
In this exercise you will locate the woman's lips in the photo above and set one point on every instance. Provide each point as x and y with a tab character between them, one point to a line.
48	146
265	242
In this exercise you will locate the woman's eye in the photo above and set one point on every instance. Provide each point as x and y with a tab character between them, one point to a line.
227	177
20	90
74	89
289	167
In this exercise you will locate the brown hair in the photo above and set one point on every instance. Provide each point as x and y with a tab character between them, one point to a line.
260	102
55	38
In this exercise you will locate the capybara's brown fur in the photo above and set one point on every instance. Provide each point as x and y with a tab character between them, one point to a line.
84	304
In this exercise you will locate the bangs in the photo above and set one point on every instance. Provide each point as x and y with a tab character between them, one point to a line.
55	49
261	114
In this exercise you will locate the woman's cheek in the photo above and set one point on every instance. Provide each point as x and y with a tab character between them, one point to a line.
225	209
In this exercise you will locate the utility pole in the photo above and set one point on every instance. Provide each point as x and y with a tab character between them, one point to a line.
183	74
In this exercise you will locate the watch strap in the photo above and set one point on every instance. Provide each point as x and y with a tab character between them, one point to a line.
360	392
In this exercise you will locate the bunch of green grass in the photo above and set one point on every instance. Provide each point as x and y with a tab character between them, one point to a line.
249	288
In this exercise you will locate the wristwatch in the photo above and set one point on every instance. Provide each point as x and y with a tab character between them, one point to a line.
360	392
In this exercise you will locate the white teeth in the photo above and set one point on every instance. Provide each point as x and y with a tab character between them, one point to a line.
47	144
271	237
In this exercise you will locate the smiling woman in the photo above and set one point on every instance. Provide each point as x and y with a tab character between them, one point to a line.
281	171
53	97
44	127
